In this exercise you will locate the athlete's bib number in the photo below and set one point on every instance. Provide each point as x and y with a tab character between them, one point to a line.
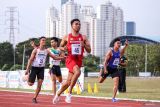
76	49
41	60
116	61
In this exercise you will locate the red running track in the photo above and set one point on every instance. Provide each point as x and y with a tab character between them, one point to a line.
19	99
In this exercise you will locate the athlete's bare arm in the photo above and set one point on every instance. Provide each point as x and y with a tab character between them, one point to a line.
61	52
107	57
54	56
86	44
63	43
124	48
30	60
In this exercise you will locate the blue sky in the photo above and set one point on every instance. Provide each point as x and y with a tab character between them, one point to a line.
33	13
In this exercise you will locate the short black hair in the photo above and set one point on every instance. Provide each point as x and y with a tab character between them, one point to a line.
73	20
55	39
42	37
117	39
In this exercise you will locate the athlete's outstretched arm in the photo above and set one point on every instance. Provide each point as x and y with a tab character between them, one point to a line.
87	44
107	57
30	61
124	48
54	56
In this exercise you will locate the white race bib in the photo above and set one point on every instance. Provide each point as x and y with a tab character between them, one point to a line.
76	49
116	61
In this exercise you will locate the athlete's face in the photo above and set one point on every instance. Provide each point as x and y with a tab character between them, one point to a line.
43	41
117	44
53	43
76	26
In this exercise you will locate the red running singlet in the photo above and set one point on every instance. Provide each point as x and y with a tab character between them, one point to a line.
75	51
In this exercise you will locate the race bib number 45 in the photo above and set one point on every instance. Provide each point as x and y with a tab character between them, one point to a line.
76	49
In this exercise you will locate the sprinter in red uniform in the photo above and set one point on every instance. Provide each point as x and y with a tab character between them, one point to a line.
74	43
75	52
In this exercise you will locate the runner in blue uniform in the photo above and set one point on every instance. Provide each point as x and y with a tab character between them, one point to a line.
111	62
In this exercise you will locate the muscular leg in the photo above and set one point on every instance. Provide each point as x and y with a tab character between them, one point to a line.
101	79
115	87
53	78
39	84
59	78
66	84
74	78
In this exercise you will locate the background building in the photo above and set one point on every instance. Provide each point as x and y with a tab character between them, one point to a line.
52	22
63	2
110	24
130	28
70	10
100	28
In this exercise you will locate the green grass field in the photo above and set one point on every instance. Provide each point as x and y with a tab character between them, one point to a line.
137	88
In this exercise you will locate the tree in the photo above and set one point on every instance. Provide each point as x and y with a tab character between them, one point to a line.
16	67
5	67
91	62
6	54
136	58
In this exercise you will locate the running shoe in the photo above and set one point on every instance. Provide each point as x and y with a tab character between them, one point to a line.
55	99
114	100
34	100
68	98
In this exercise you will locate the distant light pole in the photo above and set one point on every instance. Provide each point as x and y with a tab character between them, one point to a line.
23	57
146	60
13	19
